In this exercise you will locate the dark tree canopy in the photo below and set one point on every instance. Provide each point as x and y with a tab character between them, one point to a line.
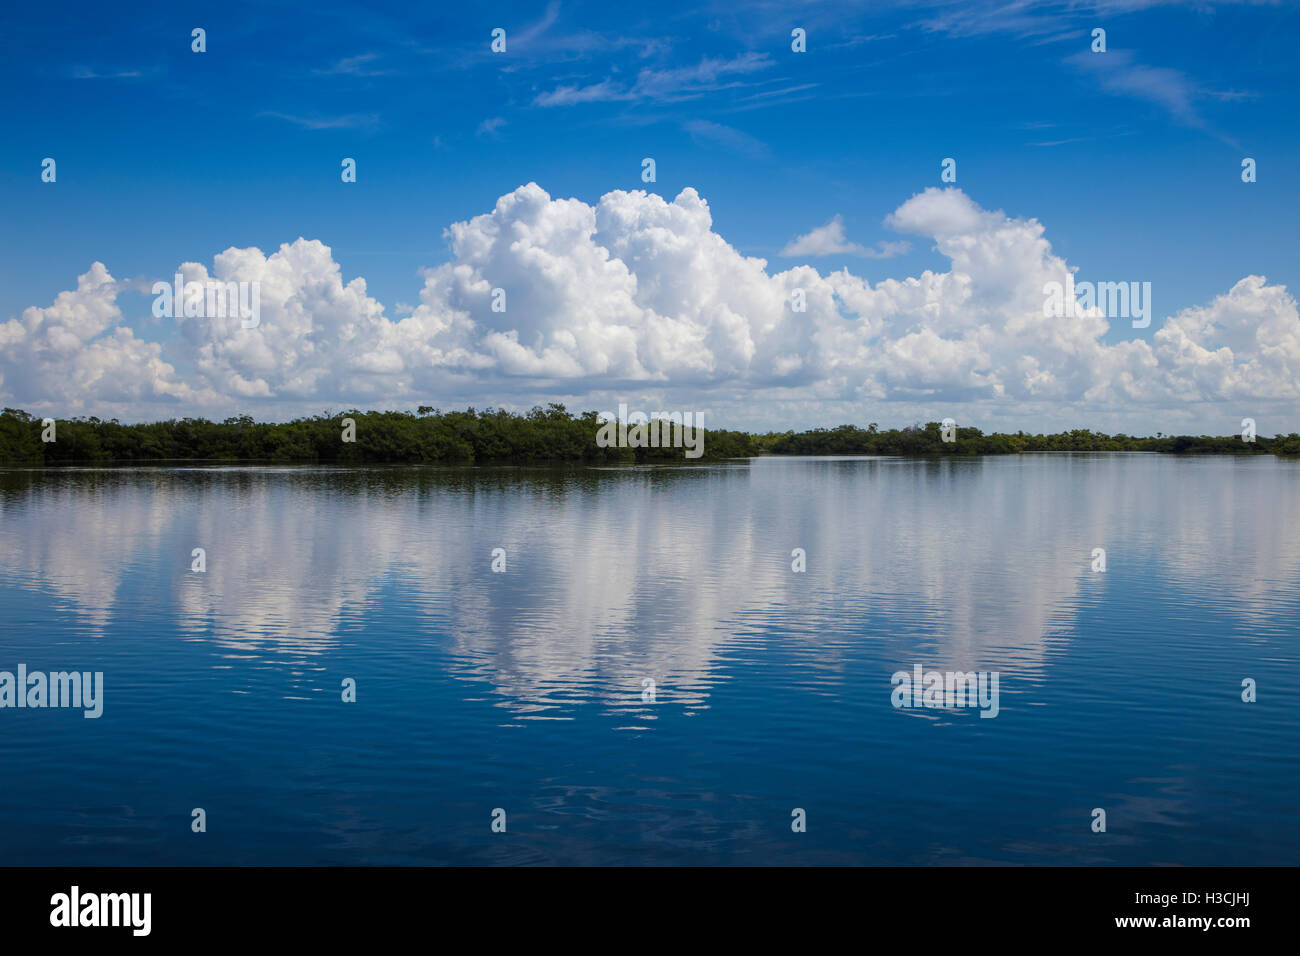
551	434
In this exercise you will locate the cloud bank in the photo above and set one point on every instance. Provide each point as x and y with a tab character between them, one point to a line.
637	296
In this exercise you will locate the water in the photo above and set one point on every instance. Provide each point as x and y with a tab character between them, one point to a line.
523	690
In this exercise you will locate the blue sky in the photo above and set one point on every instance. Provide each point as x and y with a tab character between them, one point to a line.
1129	159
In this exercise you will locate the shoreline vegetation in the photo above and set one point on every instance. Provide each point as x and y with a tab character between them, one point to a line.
542	435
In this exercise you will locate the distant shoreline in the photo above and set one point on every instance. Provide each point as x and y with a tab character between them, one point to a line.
551	435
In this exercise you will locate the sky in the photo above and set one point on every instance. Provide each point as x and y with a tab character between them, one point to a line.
779	174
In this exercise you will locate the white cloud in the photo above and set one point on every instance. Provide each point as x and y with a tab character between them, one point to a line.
1243	345
1117	72
638	295
828	240
351	121
354	66
76	352
573	94
727	137
663	85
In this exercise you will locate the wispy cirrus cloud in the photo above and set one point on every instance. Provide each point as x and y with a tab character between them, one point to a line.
1119	73
548	19
784	91
708	75
727	137
663	85
1231	96
491	127
1036	20
351	121
354	66
571	95
85	73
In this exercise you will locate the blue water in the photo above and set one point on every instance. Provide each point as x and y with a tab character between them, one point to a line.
522	690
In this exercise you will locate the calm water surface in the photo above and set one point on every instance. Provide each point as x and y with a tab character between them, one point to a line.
523	690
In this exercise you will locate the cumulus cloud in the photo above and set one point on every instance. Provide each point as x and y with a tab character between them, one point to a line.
77	350
547	297
828	240
1243	345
